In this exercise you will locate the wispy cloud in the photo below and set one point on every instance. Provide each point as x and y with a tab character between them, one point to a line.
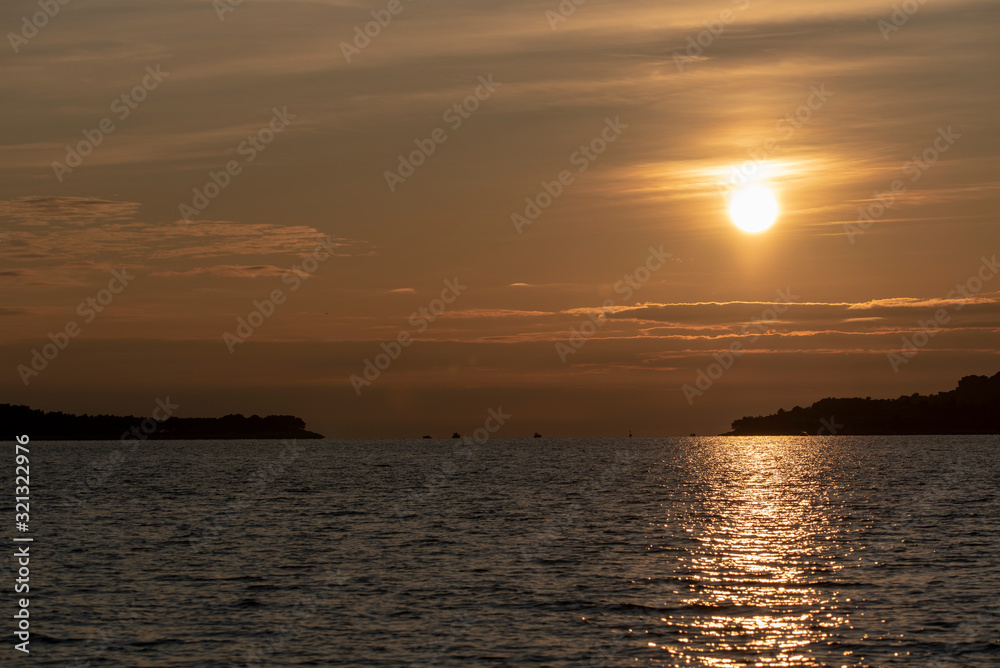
64	229
229	271
40	210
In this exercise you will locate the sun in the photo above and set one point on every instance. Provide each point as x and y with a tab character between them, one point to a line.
753	208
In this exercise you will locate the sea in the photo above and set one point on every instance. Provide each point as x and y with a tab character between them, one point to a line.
724	552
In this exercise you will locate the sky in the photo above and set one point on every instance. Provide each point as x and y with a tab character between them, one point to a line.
519	205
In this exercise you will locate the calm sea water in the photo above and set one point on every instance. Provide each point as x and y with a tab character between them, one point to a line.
798	551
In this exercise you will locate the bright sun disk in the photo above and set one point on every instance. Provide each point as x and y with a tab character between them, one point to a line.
753	208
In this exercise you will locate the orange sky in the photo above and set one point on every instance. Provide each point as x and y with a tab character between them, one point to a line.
829	104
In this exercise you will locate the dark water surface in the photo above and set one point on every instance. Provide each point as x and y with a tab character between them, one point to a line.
790	551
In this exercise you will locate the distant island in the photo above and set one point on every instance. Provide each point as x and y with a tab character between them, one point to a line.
971	408
58	426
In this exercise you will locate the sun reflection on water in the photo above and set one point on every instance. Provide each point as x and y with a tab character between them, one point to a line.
756	583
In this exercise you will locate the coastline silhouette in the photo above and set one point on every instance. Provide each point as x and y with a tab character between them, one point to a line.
59	426
971	408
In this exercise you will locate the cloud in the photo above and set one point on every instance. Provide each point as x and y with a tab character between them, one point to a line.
40	210
494	313
899	315
229	271
59	230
